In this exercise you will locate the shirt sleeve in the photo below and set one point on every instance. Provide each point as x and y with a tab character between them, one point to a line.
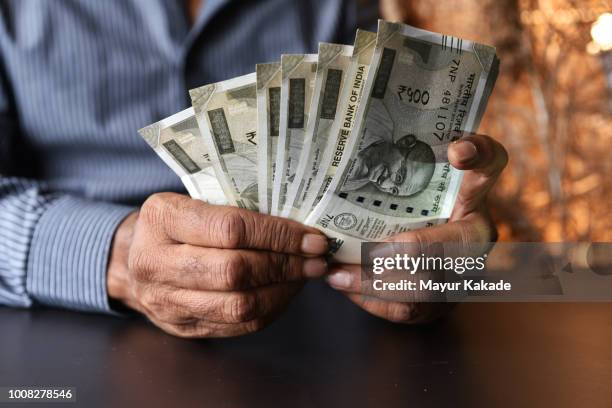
54	248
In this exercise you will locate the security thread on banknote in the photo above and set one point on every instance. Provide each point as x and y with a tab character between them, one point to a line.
333	62
268	123
178	142
423	91
298	75
226	113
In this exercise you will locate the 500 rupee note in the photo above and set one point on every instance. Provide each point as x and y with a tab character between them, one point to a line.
423	90
333	62
298	75
178	142
227	116
330	147
268	121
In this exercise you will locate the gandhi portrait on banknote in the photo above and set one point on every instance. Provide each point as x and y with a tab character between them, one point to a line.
401	167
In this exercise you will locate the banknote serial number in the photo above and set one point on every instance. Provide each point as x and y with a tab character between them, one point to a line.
37	394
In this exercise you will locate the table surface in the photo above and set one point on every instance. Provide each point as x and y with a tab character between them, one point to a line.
323	352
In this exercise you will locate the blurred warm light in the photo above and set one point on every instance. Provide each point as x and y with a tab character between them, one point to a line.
560	14
549	108
601	31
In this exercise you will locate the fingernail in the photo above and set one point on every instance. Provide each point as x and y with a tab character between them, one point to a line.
465	151
383	250
314	267
314	244
340	280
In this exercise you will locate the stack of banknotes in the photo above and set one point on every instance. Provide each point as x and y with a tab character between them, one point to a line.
352	140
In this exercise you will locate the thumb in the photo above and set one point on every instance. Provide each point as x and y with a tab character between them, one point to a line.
483	159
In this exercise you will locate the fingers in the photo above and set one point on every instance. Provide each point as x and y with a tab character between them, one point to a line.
194	222
472	235
351	280
480	153
347	279
485	159
210	269
398	312
203	329
199	270
184	306
475	228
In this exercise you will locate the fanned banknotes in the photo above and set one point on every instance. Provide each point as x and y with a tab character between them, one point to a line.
423	91
178	142
298	72
352	141
227	116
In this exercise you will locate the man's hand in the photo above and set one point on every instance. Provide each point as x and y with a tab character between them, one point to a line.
483	158
199	270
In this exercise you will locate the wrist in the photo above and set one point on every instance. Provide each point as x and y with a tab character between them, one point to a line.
117	278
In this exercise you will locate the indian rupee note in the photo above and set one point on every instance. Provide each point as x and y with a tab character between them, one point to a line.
298	75
333	62
423	90
350	97
268	120
227	116
178	142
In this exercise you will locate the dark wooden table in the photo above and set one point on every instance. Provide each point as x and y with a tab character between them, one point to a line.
324	352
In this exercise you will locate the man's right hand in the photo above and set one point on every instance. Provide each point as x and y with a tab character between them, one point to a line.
199	270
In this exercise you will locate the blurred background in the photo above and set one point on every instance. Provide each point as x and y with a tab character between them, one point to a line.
552	108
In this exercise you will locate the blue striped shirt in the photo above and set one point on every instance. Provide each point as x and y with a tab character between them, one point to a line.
77	79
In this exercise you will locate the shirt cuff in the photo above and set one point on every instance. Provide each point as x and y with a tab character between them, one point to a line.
69	254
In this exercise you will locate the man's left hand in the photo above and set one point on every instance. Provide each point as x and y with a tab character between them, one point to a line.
483	160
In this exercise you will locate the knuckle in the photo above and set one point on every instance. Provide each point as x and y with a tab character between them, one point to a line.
179	330
254	325
424	313
232	272
149	299
169	310
152	203
159	210
280	233
283	266
416	241
402	312
479	229
412	237
172	317
241	308
410	243
468	233
184	331
142	266
232	229
155	204
416	238
197	332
